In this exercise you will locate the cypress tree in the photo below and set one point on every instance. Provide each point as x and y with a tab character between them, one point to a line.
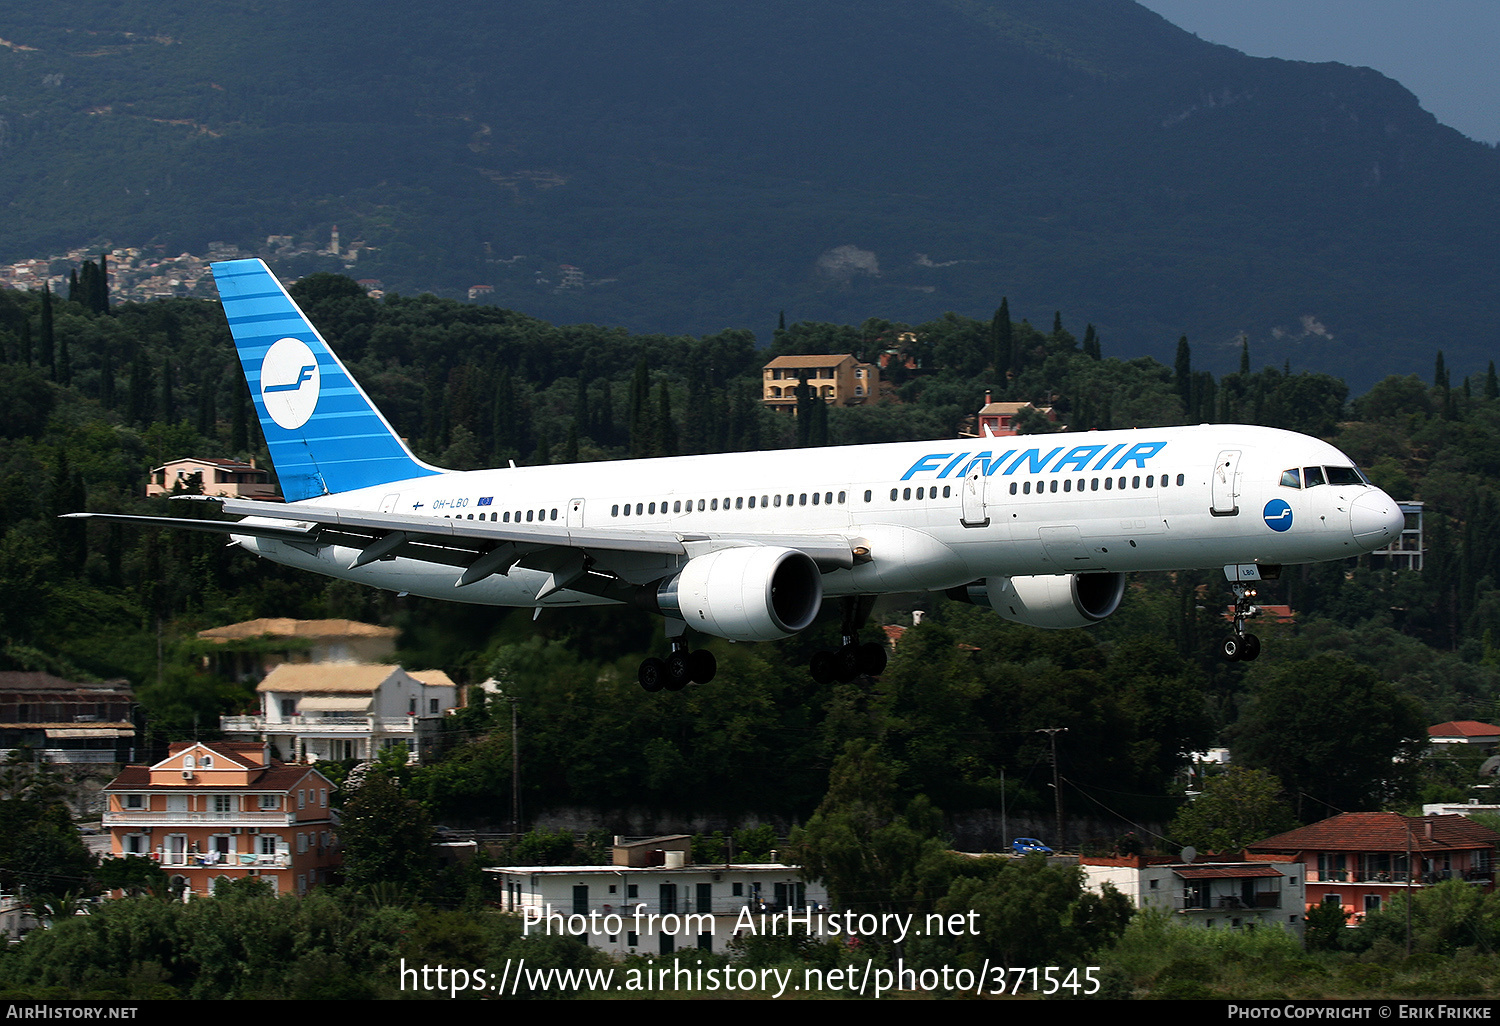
101	287
167	414
1091	343
47	350
1440	372
570	447
1244	355
817	429
1183	379
666	428
239	423
1491	384
1000	340
106	380
640	410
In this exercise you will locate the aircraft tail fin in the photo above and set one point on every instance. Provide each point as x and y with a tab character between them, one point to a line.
324	434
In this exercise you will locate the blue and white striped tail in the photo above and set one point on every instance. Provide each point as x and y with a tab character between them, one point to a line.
324	434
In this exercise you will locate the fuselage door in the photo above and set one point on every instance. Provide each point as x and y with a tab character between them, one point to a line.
575	512
972	492
388	504
1224	484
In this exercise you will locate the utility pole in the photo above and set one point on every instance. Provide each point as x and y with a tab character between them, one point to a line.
1052	733
515	769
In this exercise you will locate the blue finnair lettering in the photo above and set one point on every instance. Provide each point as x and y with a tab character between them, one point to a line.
1030	457
926	463
306	375
1034	461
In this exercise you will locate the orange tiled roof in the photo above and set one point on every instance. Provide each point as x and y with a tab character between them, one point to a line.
1383	831
1463	728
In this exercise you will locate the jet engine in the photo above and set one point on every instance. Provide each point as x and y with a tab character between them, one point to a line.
1055	601
748	593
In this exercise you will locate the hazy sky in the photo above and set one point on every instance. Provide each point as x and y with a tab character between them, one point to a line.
1447	52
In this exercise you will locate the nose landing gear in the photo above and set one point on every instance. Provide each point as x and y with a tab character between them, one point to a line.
1241	646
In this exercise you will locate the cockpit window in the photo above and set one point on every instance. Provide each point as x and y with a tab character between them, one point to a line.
1312	476
1291	478
1343	476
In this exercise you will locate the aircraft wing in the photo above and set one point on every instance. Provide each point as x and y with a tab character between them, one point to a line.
482	547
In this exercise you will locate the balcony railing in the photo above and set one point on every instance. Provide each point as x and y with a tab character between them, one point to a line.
141	818
202	860
1260	901
320	723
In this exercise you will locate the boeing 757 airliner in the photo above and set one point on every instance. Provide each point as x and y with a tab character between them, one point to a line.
748	546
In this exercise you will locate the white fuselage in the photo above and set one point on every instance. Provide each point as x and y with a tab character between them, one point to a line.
932	515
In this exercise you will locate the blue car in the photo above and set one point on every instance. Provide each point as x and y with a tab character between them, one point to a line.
1029	846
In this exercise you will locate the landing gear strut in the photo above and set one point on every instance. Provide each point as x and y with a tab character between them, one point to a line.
680	668
1240	646
852	658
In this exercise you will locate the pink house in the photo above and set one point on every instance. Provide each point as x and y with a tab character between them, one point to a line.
1360	860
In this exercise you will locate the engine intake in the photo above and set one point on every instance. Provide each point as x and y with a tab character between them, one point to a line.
1055	601
749	593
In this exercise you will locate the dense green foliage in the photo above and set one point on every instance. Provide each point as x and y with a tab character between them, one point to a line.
965	694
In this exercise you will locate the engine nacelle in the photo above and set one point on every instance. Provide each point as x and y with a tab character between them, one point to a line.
749	593
1055	601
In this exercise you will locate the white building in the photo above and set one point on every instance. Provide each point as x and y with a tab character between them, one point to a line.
1215	895
654	901
313	711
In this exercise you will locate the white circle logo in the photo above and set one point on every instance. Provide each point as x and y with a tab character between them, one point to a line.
289	381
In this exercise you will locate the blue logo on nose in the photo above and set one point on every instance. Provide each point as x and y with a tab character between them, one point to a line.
1278	515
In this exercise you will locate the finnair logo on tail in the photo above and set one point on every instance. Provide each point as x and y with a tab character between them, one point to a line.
289	382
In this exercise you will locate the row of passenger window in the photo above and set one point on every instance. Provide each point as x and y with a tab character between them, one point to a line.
1053	485
1110	484
532	516
641	509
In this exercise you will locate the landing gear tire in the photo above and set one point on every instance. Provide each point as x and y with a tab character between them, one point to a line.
653	674
823	667
846	660
702	666
1250	646
679	672
872	658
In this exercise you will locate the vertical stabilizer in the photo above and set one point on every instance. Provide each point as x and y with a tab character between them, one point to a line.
324	434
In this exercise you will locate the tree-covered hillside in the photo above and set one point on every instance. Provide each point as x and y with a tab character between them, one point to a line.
92	398
702	166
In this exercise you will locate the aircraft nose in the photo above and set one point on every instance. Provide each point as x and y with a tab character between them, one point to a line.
1375	519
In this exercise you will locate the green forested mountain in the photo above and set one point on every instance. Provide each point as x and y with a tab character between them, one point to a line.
704	166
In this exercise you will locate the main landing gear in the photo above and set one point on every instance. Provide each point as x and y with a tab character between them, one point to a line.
679	669
852	658
1240	646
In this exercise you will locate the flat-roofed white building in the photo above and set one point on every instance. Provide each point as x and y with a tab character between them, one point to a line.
662	903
